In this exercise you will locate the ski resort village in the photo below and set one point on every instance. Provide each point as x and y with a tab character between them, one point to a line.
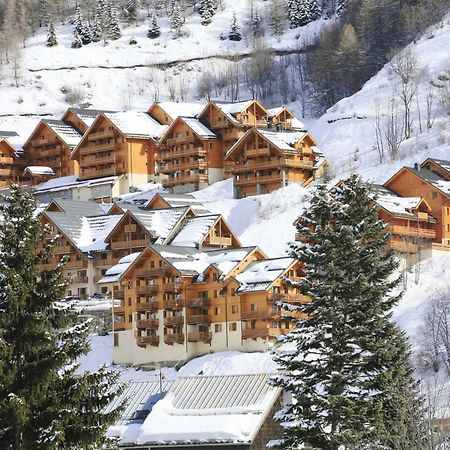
224	224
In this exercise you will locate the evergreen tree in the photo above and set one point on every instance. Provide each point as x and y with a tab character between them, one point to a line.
43	403
113	27
43	11
348	371
341	6
78	22
51	35
153	30
315	10
207	10
276	17
86	35
173	5
256	25
176	22
304	12
293	13
131	11
97	30
235	33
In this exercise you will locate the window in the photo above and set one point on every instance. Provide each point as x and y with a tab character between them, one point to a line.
218	328
232	326
234	309
130	318
116	339
434	194
129	302
216	311
253	307
216	293
233	292
152	264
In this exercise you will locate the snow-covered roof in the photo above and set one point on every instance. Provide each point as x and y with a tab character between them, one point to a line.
296	124
175	200
39	170
283	140
114	273
78	208
190	261
260	275
136	124
189	414
234	108
71	182
394	204
65	131
198	128
7	134
88	115
159	222
275	111
433	178
13	139
176	109
193	231
445	164
94	231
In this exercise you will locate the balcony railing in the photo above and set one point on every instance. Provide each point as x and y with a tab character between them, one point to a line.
6	160
276	178
150	289
96	161
108	262
404	247
172	154
252	152
185	180
147	323
173	304
118	293
97	173
173	287
148	340
130	244
198	319
204	336
61	250
288	298
76	264
174	338
80	280
119	326
413	231
255	315
221	124
189	165
253	333
104	134
6	172
173	321
147	306
198	302
219	240
152	272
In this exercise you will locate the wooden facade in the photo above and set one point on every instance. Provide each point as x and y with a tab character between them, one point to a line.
49	148
258	163
12	164
190	156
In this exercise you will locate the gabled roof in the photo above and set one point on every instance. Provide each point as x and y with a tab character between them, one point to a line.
176	109
64	130
76	208
13	140
260	275
193	231
210	410
282	140
176	200
114	273
200	130
71	182
39	171
394	204
443	163
86	115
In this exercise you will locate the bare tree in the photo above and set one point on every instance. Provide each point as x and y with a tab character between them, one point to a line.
431	111
154	76
393	131
443	85
182	87
405	67
379	141
205	85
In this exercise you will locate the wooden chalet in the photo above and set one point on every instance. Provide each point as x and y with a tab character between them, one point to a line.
190	156
166	112
281	119
409	220
264	160
51	144
432	187
120	143
82	118
229	121
164	200
262	285
12	162
182	301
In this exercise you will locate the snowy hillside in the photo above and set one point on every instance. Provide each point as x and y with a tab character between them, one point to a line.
346	133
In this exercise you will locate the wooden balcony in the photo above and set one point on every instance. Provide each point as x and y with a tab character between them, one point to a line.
92	150
152	272
108	262
130	244
255	315
173	287
61	250
80	280
404	246
255	123
198	319
288	298
173	321
202	336
174	338
181	139
219	240
298	163
253	333
148	289
176	154
6	160
189	165
118	294
147	340
86	162
147	306
76	264
147	323
220	124
198	302
6	172
173	304
119	326
254	152
98	173
419	231
276	178
199	178
104	134
232	134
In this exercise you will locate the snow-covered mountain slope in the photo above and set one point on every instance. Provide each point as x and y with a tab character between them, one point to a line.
346	133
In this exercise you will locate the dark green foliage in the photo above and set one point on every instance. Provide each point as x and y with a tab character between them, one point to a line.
43	403
235	33
348	366
153	30
51	35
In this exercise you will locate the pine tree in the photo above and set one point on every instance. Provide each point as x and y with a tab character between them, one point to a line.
51	35
86	35
276	17
235	33
256	25
153	30
315	10
348	371
113	27
43	403
176	22
341	6
78	22
293	13
97	29
173	5
131	11
43	11
304	12
207	10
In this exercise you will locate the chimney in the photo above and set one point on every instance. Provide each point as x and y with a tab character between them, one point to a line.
416	166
